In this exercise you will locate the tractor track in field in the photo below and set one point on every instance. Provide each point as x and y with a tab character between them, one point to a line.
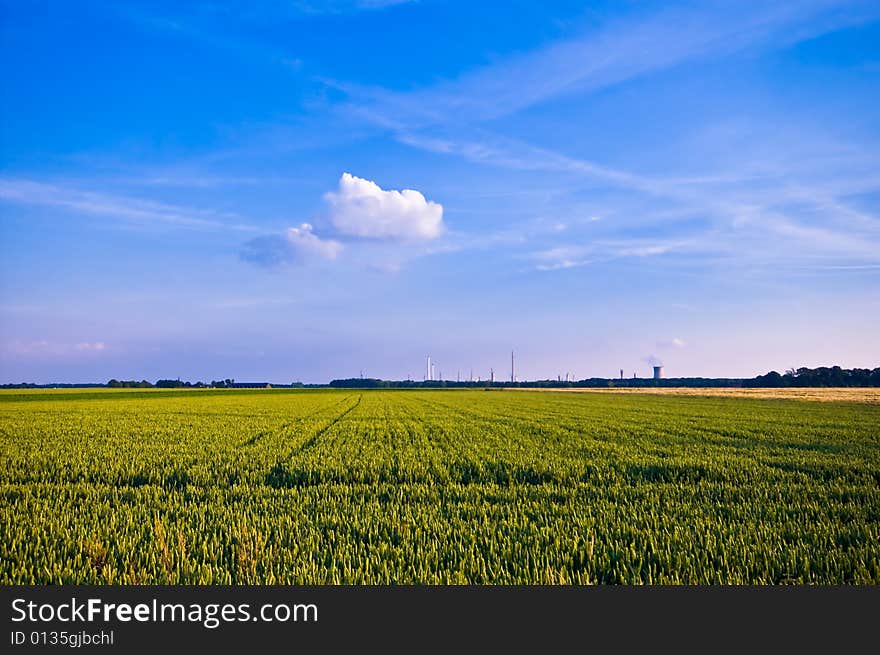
299	419
309	443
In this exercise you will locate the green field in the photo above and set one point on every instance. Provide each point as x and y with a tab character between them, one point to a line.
435	487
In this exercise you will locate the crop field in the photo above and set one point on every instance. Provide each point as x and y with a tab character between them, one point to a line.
825	394
435	487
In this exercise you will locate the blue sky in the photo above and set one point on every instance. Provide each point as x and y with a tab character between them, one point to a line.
306	190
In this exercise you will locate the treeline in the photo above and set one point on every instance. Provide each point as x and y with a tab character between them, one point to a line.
160	384
375	383
228	383
54	385
824	376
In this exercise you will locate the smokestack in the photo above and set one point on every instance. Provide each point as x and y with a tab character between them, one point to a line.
621	374
512	370
658	372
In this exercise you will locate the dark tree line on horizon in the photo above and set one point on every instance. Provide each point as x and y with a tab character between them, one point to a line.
170	384
823	376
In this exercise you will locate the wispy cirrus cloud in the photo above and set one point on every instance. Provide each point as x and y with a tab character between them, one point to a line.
800	206
612	54
202	20
112	206
335	6
600	250
200	181
561	257
44	348
740	211
674	342
94	347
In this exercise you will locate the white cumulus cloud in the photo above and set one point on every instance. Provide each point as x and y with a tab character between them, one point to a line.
303	240
361	208
294	245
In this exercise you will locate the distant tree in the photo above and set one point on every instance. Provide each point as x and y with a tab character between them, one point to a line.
170	384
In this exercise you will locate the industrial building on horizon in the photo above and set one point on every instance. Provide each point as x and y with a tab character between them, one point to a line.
432	376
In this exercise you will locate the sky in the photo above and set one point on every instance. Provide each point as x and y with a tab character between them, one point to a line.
300	191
